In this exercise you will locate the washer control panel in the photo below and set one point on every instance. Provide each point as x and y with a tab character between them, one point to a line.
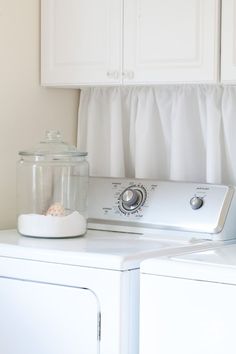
159	205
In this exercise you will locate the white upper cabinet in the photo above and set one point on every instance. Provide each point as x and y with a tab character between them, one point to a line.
228	44
81	42
171	41
112	42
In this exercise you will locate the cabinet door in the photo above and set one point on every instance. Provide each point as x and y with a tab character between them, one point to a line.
228	47
81	42
40	318
171	41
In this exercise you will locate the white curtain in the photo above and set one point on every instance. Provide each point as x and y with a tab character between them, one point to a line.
183	132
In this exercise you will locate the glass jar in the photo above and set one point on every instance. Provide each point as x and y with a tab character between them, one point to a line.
52	184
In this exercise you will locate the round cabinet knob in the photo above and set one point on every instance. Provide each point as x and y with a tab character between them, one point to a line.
196	203
130	198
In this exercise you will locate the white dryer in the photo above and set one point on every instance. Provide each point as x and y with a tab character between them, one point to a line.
188	303
81	295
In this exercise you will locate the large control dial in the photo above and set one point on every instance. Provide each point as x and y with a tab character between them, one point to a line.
132	198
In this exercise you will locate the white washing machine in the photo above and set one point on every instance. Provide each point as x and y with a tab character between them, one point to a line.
81	295
188	303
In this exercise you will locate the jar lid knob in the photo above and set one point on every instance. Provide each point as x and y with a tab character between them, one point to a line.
53	135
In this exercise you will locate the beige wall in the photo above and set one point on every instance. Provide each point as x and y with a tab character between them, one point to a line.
26	109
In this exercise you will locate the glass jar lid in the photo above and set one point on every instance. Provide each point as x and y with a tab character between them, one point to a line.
53	145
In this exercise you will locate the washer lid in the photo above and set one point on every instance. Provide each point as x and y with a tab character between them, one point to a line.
98	249
213	265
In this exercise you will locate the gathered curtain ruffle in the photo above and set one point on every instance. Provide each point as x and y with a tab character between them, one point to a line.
180	132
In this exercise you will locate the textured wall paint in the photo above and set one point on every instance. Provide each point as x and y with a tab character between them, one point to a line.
26	109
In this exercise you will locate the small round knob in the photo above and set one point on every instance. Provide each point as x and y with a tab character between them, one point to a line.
196	203
130	197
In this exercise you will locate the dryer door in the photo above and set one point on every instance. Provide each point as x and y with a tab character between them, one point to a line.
186	316
42	318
